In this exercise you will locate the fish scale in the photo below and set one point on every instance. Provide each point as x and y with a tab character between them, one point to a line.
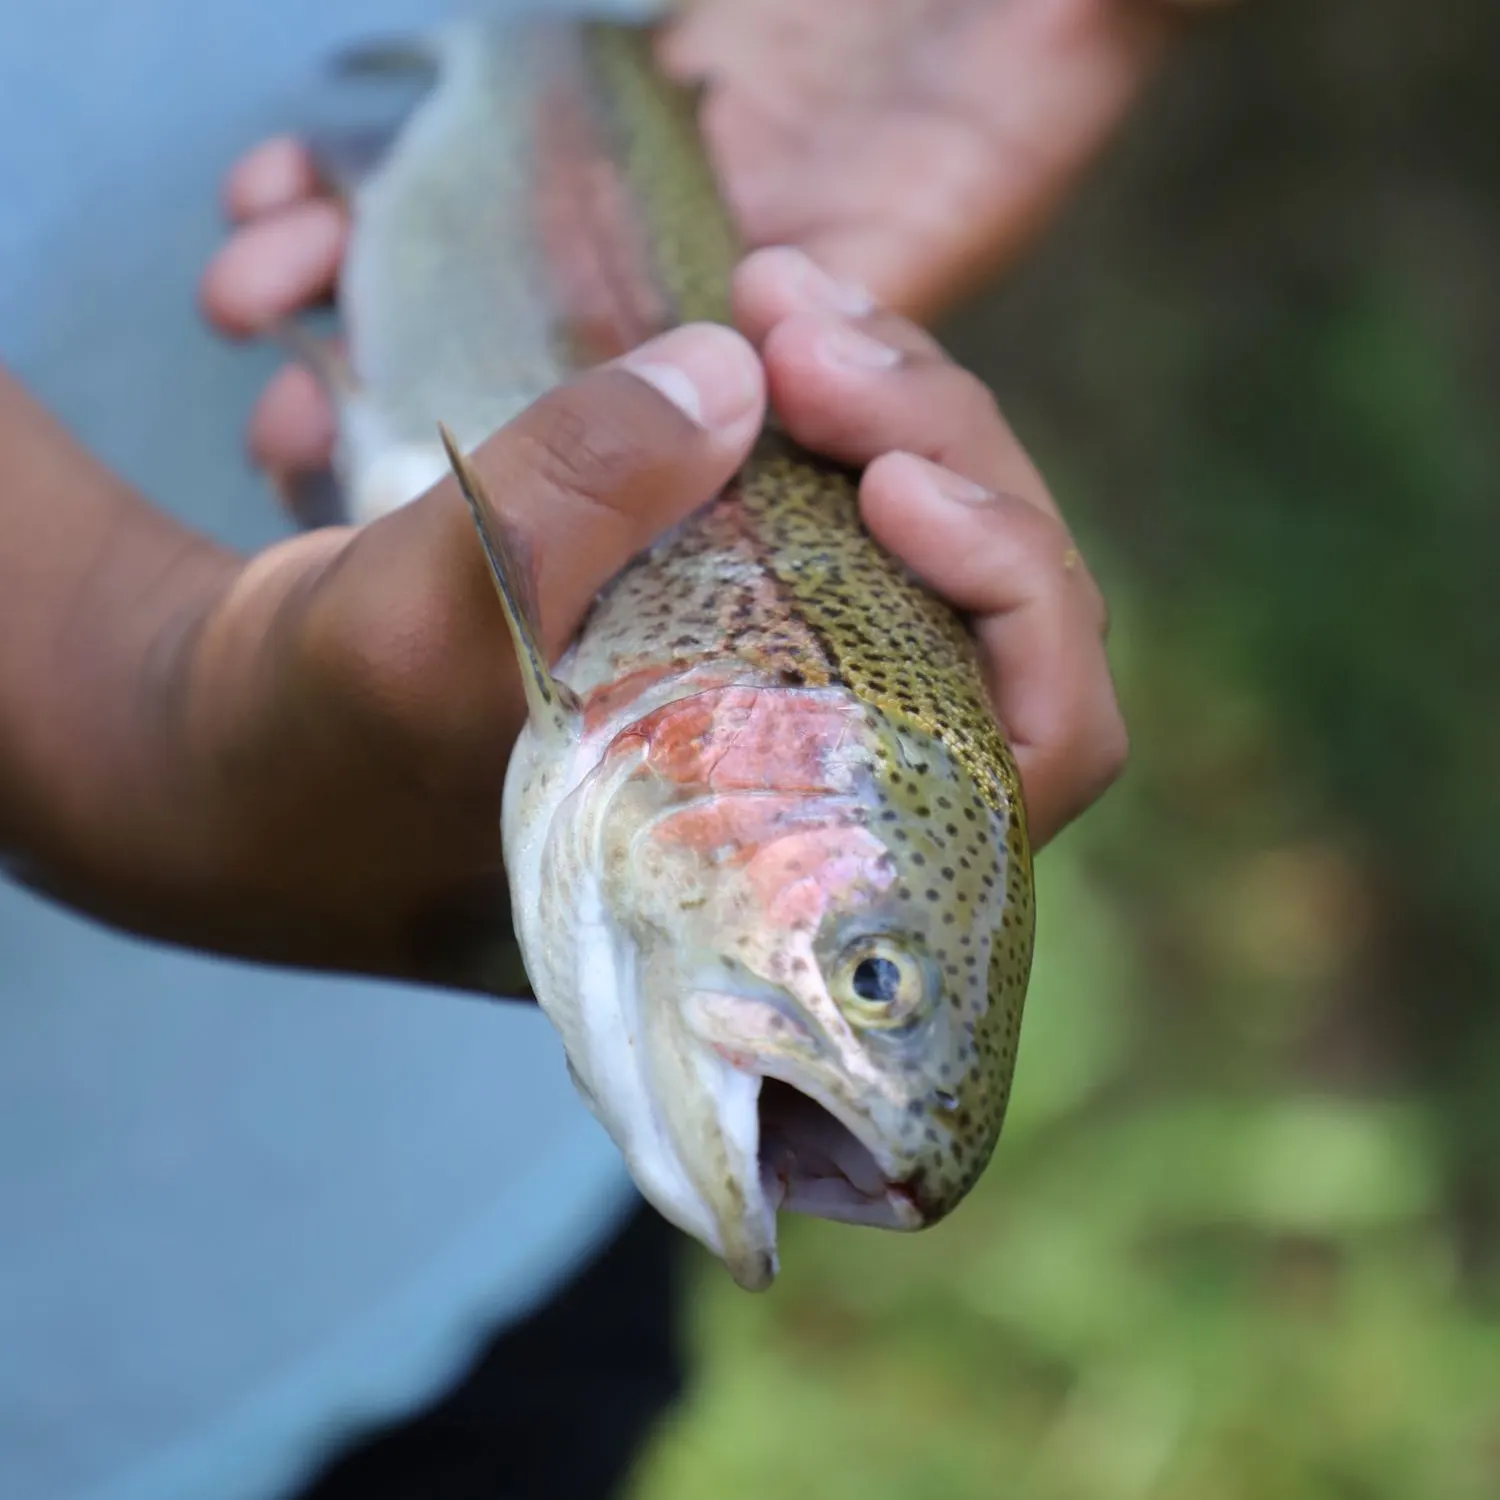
762	827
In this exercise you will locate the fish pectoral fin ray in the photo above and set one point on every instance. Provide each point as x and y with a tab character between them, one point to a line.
552	704
321	357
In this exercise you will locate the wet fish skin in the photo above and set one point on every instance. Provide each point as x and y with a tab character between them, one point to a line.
761	824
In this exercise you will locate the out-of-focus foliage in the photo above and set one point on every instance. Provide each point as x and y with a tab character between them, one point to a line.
1241	1238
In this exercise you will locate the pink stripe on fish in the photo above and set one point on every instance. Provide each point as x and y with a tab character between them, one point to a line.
752	738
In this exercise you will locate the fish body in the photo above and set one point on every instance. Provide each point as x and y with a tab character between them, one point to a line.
453	189
765	840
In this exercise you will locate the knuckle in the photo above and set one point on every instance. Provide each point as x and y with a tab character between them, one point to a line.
1027	538
580	454
1051	551
974	406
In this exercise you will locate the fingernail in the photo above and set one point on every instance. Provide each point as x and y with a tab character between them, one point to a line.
953	486
818	291
708	373
857	351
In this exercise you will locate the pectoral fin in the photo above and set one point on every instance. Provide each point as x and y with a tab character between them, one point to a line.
553	705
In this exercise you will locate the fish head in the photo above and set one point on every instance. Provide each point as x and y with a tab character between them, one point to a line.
831	970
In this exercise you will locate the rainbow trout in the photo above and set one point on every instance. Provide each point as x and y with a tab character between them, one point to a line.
768	856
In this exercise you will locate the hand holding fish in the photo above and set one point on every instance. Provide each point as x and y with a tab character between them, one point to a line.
860	385
764	823
951	492
297	757
919	149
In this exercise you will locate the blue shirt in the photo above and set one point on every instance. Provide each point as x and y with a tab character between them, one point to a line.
241	1211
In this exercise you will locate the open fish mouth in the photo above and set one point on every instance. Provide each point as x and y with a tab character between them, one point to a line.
807	1161
812	1163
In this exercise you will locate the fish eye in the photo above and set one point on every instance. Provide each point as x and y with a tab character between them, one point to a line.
878	983
876	978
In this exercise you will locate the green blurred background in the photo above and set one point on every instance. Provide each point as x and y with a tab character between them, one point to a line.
1242	1237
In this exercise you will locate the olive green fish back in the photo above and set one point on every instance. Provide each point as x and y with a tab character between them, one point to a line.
653	124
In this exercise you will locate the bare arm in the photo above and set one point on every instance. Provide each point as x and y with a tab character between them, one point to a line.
299	757
99	596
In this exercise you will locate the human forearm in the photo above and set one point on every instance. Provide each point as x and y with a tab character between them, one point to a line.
298	758
99	594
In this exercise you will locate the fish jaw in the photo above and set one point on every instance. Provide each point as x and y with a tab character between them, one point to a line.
826	1146
704	1120
684	1118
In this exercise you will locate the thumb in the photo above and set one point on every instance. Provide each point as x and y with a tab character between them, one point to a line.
597	471
590	474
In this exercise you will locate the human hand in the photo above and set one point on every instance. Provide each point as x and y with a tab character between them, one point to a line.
351	700
380	741
283	257
948	489
1040	623
916	149
919	147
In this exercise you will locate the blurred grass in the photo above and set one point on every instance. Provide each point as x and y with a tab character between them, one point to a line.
1242	1236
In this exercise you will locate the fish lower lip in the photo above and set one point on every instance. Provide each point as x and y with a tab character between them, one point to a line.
813	1164
837	1199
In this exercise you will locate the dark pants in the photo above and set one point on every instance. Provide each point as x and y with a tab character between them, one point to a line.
558	1406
